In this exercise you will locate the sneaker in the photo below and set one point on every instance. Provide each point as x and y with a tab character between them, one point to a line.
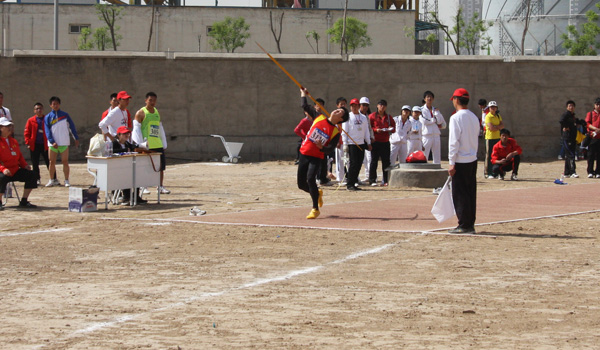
26	204
500	177
39	182
590	176
50	183
320	197
67	184
145	190
598	176
462	230
195	211
491	177
314	213
560	158
574	175
163	190
374	184
437	190
514	177
56	182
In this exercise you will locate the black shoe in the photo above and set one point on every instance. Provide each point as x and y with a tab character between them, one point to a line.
141	201
462	230
353	188
26	204
1	206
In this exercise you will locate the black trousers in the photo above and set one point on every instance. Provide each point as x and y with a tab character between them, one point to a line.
22	175
570	152
464	193
593	156
35	159
503	168
356	157
307	177
380	150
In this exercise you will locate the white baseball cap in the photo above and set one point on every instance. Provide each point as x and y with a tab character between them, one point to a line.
416	109
365	100
5	121
407	107
492	103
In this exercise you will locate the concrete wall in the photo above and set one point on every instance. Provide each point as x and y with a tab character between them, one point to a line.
31	27
246	98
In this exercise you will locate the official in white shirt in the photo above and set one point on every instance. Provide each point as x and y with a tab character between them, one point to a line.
356	139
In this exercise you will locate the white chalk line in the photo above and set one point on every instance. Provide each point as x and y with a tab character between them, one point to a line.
289	275
12	234
269	225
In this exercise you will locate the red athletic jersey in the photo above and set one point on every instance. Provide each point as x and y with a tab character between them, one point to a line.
321	130
500	152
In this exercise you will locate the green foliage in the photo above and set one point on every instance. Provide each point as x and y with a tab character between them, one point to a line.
584	43
474	32
229	34
84	43
316	37
356	34
110	14
98	39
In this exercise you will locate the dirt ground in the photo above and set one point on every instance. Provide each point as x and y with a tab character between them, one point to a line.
105	280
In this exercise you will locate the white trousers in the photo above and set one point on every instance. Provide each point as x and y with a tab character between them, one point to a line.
367	163
431	143
339	164
398	153
414	145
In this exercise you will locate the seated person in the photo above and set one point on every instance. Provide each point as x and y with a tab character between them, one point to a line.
121	144
506	155
13	166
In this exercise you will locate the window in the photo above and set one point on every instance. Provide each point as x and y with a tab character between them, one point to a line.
208	29
76	28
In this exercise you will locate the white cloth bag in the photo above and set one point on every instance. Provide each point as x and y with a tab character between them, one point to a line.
443	208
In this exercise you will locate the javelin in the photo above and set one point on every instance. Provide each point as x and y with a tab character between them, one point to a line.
302	88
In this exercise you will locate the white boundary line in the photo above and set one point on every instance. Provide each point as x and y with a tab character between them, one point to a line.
203	296
33	232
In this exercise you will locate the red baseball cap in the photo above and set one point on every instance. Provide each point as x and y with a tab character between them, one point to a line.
123	130
122	95
460	93
354	101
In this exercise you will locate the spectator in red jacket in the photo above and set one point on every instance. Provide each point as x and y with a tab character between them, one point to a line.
35	139
506	155
13	166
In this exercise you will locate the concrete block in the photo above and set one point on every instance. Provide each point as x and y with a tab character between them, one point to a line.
423	175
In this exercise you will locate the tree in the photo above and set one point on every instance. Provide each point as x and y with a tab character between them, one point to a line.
229	34
474	33
102	39
277	37
316	37
110	14
584	43
459	24
99	39
527	19
355	36
84	42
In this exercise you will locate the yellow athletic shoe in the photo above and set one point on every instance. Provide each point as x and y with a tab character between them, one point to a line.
314	213
320	197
